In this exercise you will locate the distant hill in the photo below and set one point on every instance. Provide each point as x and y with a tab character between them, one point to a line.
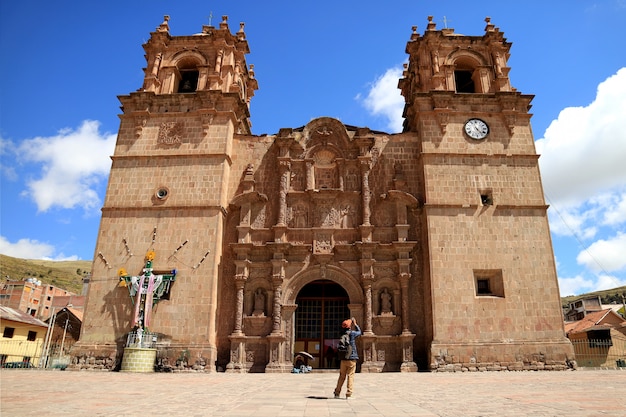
62	274
606	296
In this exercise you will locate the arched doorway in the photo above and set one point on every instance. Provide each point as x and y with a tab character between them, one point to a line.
322	306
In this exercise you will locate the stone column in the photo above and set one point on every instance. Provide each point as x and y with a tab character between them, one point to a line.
310	174
278	362
367	276
157	64
276	313
365	189
285	174
240	282
278	274
241	277
341	169
367	286
404	285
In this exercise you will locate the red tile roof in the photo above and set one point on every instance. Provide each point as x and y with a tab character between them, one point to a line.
592	319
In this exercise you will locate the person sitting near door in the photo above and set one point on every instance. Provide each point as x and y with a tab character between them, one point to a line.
300	366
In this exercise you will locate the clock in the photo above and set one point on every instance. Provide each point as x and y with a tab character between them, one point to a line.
476	129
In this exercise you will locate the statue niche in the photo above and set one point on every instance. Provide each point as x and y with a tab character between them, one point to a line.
259	303
386	318
299	216
257	322
385	303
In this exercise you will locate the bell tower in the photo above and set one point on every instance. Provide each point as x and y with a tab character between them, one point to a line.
491	291
168	192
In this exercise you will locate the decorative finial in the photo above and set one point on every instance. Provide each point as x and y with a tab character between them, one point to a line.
241	34
431	24
490	27
224	23
164	27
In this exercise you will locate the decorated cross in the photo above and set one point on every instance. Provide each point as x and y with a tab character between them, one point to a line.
146	290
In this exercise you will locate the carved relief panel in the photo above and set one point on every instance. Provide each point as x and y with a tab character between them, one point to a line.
299	215
352	182
297	180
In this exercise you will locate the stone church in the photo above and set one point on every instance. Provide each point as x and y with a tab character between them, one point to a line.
435	239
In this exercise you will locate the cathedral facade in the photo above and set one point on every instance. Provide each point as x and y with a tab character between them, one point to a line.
435	239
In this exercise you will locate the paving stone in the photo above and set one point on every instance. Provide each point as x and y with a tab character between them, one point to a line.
25	393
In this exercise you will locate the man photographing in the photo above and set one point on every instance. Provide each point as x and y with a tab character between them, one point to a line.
349	357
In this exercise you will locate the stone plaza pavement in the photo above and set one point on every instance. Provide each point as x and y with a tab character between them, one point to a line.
65	393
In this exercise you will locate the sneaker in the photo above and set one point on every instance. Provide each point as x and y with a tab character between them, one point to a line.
336	395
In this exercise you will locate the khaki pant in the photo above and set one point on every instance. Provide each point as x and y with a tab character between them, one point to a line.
347	368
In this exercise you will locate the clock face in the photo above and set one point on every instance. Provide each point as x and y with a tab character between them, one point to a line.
476	129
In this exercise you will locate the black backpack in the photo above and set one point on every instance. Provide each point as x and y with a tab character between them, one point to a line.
344	347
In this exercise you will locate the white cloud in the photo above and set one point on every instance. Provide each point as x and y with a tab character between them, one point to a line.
583	151
583	168
615	213
574	286
32	249
72	164
605	255
7	148
384	99
607	282
26	249
580	285
570	221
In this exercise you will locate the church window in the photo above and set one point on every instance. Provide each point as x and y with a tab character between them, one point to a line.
489	283
464	81
482	286
188	81
466	77
486	198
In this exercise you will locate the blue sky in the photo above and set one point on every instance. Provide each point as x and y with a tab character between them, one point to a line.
65	62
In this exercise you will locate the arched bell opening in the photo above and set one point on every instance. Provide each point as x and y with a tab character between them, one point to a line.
322	306
467	74
187	75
